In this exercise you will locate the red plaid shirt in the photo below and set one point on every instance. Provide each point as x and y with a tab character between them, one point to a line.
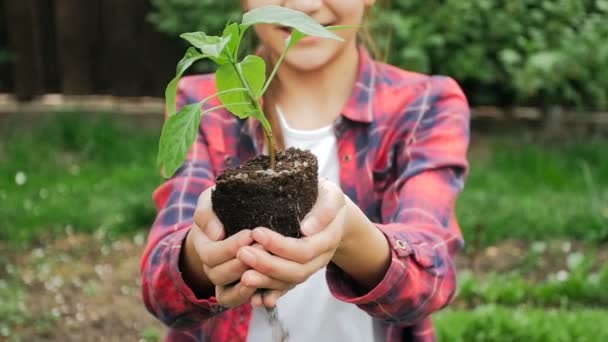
402	144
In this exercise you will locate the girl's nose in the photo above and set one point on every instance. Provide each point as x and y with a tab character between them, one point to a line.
306	6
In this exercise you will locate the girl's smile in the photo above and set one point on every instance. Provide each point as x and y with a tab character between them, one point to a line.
313	53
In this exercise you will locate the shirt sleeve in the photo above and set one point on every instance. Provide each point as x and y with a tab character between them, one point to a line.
165	293
418	214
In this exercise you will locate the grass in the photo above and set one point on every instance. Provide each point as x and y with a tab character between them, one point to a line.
94	174
77	174
80	174
577	286
13	308
524	190
492	323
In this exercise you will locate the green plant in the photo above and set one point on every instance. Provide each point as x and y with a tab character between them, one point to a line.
576	286
506	52
494	323
240	84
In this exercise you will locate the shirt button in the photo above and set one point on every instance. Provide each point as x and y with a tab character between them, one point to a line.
347	158
401	245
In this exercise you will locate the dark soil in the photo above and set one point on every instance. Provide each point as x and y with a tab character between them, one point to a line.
252	195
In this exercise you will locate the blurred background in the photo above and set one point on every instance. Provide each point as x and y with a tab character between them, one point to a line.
81	108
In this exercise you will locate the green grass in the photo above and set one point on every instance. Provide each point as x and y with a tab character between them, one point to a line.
88	174
81	174
14	312
12	307
524	190
498	324
576	286
91	175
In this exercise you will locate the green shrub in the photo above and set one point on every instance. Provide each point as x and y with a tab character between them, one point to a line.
525	52
5	56
507	52
177	16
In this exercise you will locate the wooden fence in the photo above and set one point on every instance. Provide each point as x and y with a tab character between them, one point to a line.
84	47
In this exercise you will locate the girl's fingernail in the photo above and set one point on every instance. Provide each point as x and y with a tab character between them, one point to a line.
214	229
251	280
245	255
309	226
260	236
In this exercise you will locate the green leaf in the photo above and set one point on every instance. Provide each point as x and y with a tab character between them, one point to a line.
294	38
342	27
297	35
290	18
191	56
212	46
178	135
233	31
253	70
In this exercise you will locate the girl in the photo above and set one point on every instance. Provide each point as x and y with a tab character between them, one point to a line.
376	258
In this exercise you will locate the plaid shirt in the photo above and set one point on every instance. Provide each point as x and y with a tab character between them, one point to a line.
402	144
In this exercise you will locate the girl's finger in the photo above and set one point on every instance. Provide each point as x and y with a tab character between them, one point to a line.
281	269
232	296
206	220
329	201
304	249
215	253
226	273
272	297
258	280
257	300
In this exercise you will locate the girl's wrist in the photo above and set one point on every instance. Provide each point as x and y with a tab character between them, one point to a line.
192	269
364	253
351	230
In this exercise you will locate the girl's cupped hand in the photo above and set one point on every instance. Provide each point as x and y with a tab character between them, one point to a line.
285	262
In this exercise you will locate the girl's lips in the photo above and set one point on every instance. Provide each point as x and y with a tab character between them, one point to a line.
287	31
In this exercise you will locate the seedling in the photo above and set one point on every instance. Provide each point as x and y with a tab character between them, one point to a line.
240	84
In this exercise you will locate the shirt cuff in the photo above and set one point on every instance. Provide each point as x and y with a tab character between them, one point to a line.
343	287
177	242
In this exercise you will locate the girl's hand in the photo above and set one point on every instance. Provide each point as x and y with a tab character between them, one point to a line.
209	260
285	262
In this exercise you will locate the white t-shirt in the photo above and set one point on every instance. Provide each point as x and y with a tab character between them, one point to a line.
309	311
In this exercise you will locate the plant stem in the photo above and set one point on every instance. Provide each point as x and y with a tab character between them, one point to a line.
228	91
274	70
262	117
221	107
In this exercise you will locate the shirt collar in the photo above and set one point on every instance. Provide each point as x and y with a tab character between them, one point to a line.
359	106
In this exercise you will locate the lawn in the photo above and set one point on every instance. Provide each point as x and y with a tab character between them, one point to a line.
76	191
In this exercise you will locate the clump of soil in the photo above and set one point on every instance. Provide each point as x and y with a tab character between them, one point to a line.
253	195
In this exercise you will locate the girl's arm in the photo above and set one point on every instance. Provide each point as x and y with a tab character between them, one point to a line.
420	223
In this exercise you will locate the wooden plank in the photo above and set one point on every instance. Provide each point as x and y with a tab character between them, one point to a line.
6	77
145	105
121	40
25	42
76	26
